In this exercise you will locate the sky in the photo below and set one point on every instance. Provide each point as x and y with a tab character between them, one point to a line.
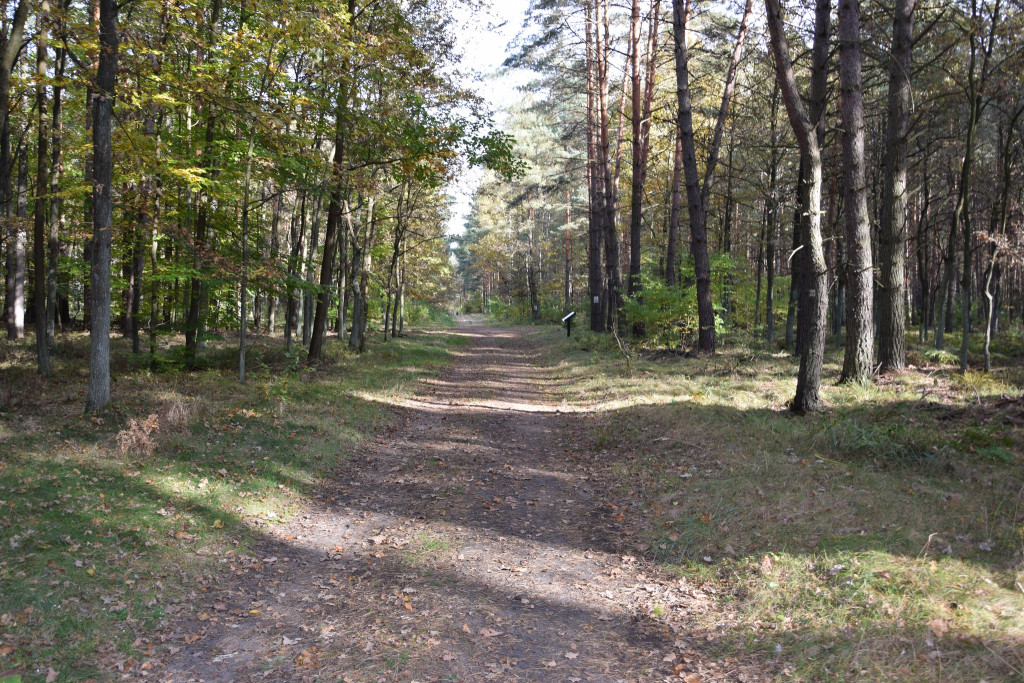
483	39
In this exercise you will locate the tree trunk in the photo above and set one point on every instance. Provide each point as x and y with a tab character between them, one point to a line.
595	222
98	394
16	254
636	119
892	229
275	249
337	178
772	214
771	230
308	302
695	205
858	362
672	251
609	184
54	213
796	269
531	270
296	236
567	283
759	269
40	289
330	237
927	299
14	300
814	304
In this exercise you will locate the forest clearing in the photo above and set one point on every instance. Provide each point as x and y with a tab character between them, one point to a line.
489	503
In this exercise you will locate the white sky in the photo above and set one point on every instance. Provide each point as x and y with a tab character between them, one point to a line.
484	38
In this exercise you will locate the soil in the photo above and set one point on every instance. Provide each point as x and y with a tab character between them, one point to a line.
478	538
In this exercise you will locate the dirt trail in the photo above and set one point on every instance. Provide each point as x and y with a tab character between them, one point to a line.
470	542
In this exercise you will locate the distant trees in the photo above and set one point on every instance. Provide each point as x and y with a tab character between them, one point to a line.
881	227
187	174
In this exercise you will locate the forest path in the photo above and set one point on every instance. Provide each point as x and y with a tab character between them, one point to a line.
471	541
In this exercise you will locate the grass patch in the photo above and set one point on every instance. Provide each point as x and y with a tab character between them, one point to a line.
882	538
108	523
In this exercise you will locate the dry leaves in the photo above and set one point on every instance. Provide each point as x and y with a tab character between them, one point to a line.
939	627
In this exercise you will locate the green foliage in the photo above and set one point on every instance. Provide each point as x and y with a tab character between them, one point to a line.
667	314
419	313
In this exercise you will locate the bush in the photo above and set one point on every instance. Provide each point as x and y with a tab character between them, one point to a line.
667	314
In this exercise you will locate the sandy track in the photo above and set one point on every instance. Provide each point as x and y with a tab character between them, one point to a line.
470	542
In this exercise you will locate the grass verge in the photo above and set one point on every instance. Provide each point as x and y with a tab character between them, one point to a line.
108	523
882	538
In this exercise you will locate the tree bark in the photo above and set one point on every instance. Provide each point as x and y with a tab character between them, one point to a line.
40	289
976	86
55	216
636	186
567	278
14	300
672	251
695	205
16	254
595	223
98	394
333	211
609	184
858	362
814	304
892	229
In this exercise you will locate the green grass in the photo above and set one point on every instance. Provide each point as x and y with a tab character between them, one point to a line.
881	538
101	520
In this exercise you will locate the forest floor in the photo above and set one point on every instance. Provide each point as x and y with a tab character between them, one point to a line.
493	503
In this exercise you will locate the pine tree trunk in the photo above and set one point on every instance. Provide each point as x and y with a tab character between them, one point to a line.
39	232
814	299
672	251
858	362
595	224
892	230
14	299
695	205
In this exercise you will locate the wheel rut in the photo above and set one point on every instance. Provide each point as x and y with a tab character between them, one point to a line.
470	541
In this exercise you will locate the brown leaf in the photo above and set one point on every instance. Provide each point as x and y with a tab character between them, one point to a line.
308	659
489	632
939	627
